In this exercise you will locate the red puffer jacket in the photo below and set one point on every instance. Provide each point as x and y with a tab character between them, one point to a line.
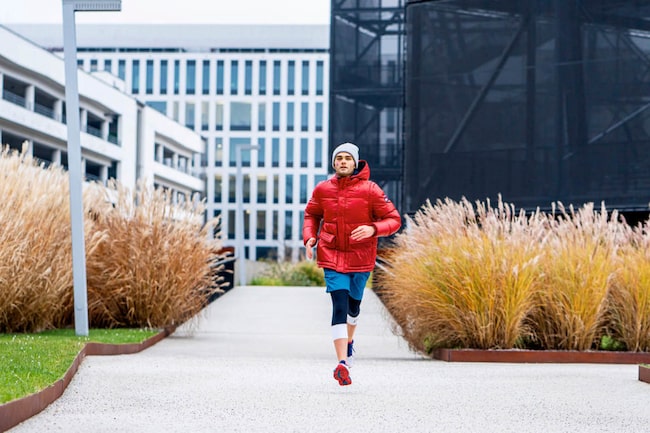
341	205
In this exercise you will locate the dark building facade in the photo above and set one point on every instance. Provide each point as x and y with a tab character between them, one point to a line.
537	100
367	85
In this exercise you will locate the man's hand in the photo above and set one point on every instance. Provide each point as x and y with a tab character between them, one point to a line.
362	232
309	245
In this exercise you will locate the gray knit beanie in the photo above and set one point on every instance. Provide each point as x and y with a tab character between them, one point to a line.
350	148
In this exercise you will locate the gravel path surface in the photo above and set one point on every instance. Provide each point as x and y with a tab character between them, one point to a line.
260	360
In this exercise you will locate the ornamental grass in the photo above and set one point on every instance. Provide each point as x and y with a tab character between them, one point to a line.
473	275
148	259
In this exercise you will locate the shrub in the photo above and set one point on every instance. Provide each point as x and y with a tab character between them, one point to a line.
303	273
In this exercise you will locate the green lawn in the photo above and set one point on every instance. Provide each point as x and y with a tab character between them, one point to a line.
32	362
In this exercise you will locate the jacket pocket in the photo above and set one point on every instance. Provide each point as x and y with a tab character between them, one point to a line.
327	238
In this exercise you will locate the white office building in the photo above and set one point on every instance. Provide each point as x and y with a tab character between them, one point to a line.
121	137
262	88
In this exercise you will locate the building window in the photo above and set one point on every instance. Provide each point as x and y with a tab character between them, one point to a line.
190	80
220	78
234	76
177	76
276	116
291	78
276	188
261	224
390	119
305	77
93	65
240	116
205	116
231	224
303	188
274	225
277	77
261	151
304	116
319	77
175	111
275	152
318	152
246	187
160	106
232	188
261	189
288	224
288	192
262	78
149	78
163	77
261	116
235	143
289	150
205	77
304	152
189	115
108	65
135	77
248	77
121	69
218	182
319	116
290	116
218	116
218	152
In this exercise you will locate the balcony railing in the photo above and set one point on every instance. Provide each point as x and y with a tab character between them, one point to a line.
45	111
13	98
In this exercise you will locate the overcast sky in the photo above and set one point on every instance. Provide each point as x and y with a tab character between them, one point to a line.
176	11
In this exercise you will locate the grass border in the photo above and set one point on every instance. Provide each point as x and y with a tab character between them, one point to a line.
16	411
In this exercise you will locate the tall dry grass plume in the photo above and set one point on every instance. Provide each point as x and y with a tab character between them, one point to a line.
472	276
464	276
575	272
628	312
148	260
35	248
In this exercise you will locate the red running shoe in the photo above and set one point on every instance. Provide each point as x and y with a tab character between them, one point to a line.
342	374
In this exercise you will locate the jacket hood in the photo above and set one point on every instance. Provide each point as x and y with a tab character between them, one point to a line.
362	171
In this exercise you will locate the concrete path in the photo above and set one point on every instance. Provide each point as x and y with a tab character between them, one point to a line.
261	360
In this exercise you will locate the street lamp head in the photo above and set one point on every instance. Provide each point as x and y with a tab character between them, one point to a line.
94	5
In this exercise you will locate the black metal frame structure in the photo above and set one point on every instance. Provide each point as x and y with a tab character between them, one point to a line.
366	85
538	101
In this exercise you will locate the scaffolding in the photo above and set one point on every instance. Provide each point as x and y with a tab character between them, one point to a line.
367	86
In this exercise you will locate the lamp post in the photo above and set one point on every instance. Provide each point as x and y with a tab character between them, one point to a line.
239	219
74	152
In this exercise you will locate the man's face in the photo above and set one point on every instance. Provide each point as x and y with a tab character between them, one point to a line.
343	164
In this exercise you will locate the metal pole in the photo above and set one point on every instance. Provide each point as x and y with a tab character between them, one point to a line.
239	218
74	152
74	170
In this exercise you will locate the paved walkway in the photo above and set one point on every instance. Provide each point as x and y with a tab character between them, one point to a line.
260	360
